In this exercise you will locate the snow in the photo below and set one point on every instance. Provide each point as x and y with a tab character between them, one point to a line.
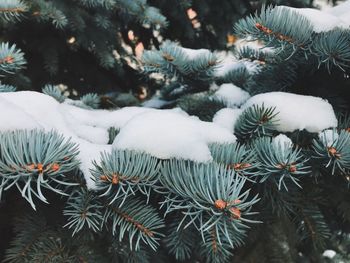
194	53
227	118
321	20
171	134
340	10
329	253
297	112
283	141
328	136
163	133
231	95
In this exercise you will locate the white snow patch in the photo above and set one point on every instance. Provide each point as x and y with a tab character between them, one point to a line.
232	95
170	134
283	141
297	112
340	10
227	118
328	136
321	21
329	253
194	53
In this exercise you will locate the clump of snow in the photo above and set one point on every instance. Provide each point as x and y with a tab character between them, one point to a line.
340	10
195	53
297	112
283	141
227	118
328	136
171	134
321	21
232	95
329	253
174	131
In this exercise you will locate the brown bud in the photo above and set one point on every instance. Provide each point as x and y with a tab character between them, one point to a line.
55	167
40	167
235	213
115	179
220	204
292	168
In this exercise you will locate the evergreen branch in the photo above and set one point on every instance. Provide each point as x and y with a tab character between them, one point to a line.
205	107
335	155
11	59
277	26
213	249
255	121
142	12
108	4
141	221
122	173
12	9
332	48
91	100
32	160
123	253
54	91
83	209
278	162
7	88
48	12
313	227
173	61
180	241
112	133
236	157
209	194
28	231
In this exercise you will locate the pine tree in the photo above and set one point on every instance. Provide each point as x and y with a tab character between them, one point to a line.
241	172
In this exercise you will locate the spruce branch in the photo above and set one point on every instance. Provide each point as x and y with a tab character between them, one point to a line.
54	91
33	160
122	173
278	27
278	162
11	59
256	121
334	156
180	241
332	49
237	157
139	220
83	208
7	88
209	195
91	100
12	10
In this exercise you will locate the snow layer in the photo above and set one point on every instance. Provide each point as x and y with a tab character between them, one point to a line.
227	118
321	21
232	95
194	53
326	20
163	133
171	134
297	112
